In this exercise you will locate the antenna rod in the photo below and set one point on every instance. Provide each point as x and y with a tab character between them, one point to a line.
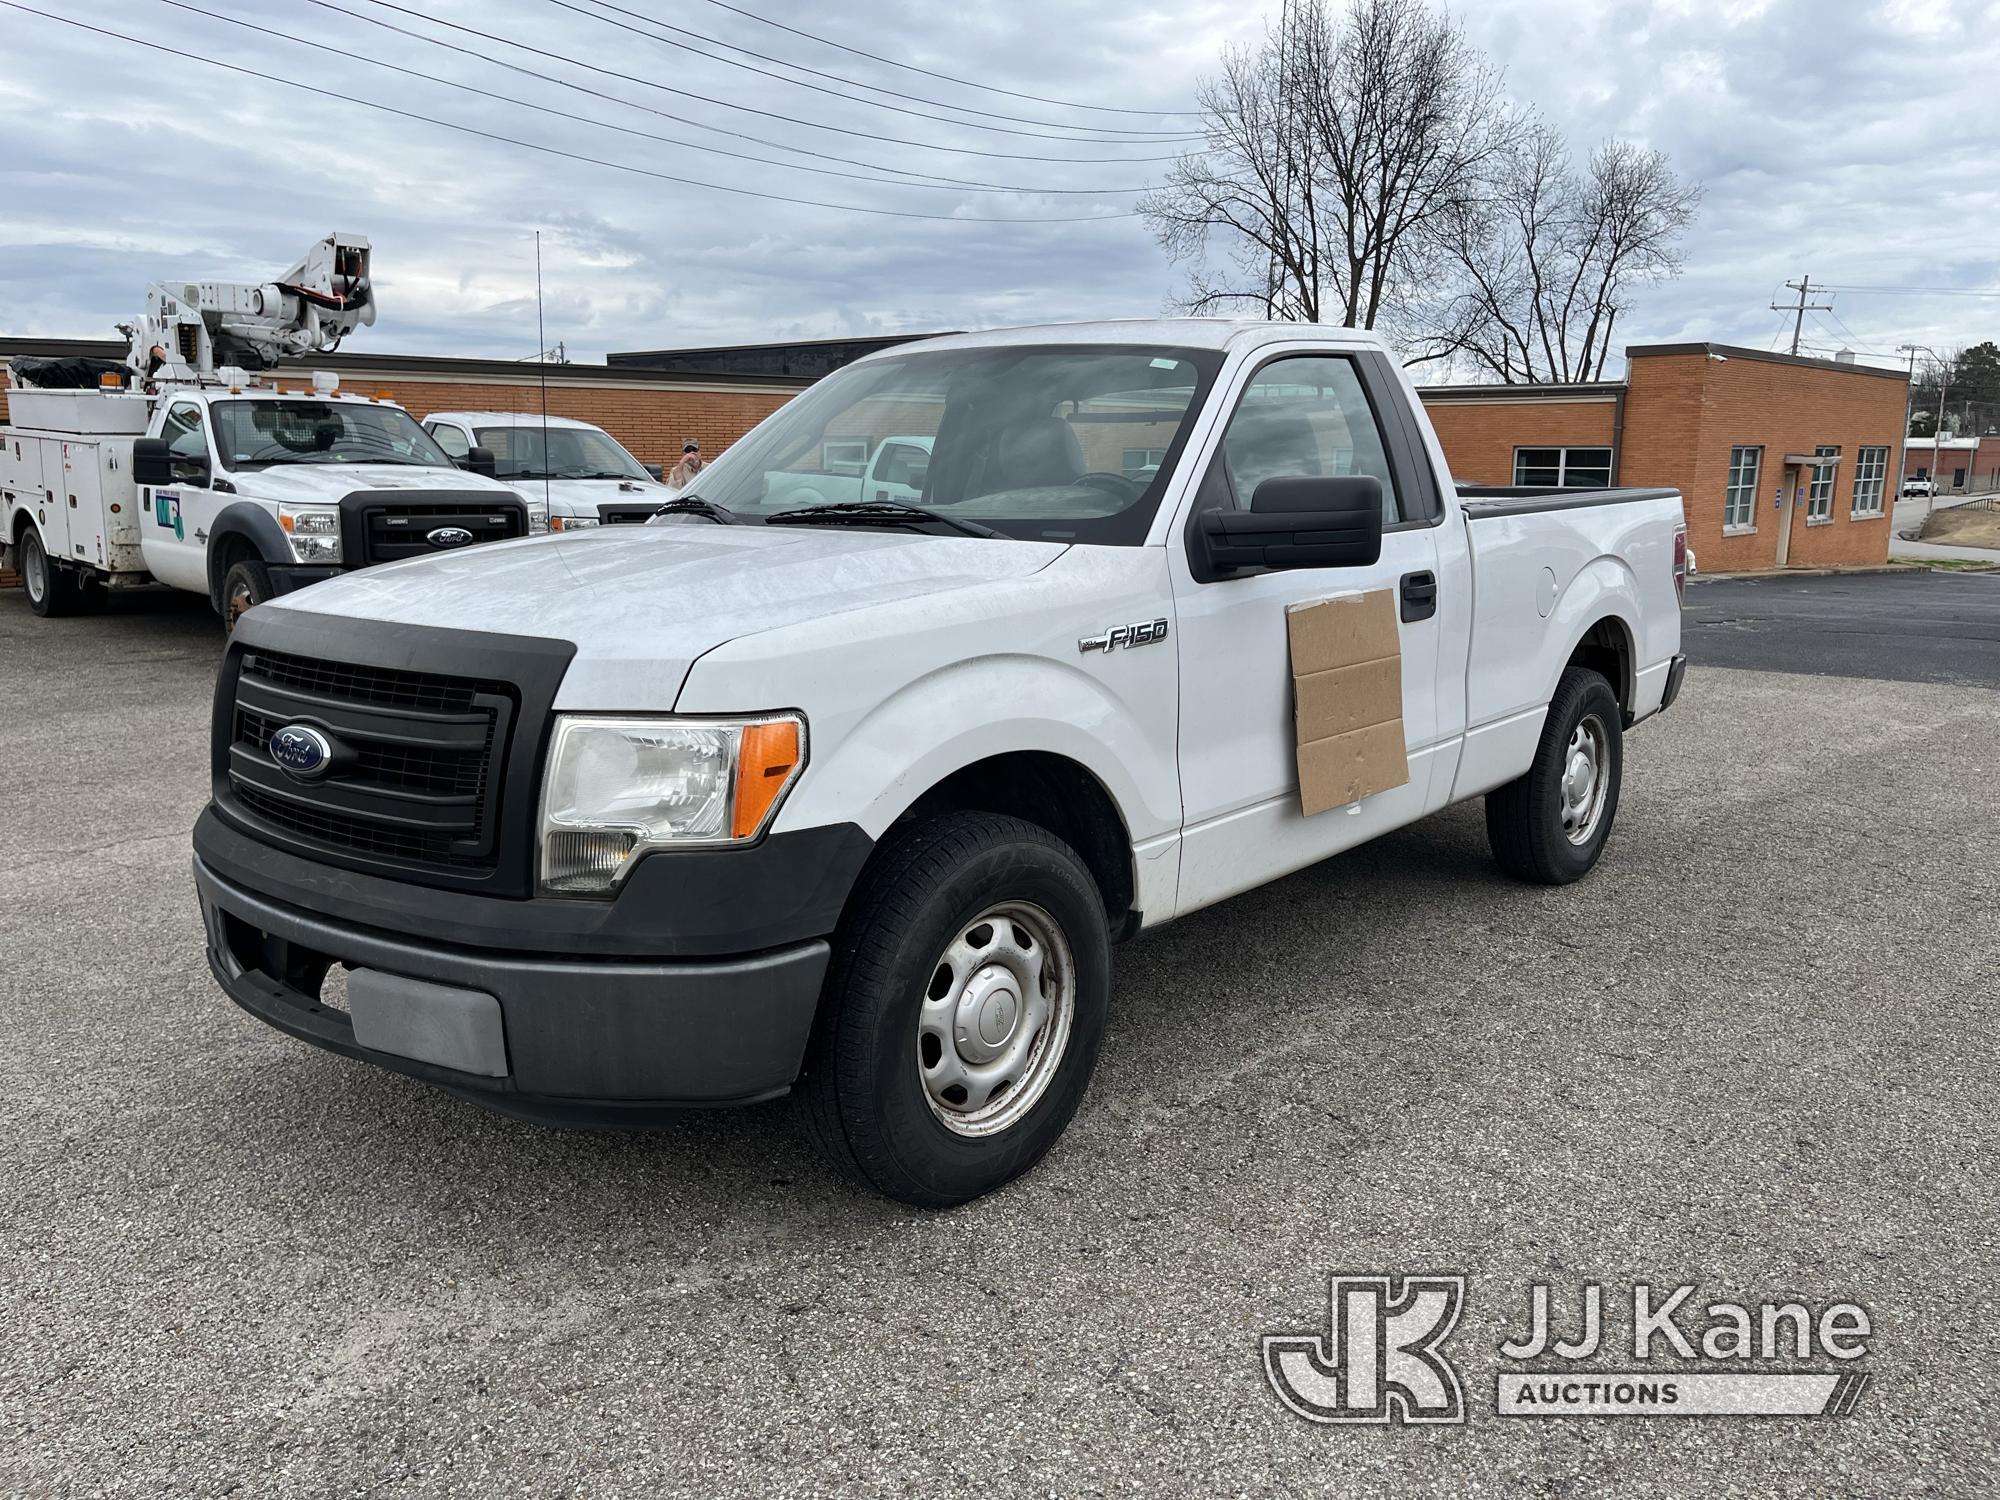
542	368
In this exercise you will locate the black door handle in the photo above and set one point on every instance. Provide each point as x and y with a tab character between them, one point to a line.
1420	596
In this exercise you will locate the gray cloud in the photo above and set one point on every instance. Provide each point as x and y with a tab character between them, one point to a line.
1850	141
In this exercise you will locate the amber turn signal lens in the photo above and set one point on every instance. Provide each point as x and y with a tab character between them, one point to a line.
764	766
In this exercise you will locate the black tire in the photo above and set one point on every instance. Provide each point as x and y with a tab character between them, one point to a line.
245	585
862	1097
1528	824
52	590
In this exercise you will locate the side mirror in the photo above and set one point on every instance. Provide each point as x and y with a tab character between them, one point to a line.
481	461
658	471
152	462
1293	523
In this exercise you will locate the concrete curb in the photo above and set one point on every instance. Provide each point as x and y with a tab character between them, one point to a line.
1912	565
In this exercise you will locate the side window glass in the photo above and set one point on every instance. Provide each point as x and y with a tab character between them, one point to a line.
186	439
1305	417
904	464
451	439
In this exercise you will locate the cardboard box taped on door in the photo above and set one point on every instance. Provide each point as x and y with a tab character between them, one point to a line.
1347	698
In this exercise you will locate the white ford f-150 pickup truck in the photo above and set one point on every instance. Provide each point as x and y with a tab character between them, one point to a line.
854	800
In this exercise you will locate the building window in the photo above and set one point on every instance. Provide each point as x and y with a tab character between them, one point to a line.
1563	468
1958	479
844	456
1819	499
1871	468
1140	464
1739	506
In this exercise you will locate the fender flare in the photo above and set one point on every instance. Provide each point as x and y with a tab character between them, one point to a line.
258	527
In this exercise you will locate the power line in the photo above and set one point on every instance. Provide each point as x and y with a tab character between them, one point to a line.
1172	135
1913	291
561	114
748	109
581	88
577	156
871	103
946	77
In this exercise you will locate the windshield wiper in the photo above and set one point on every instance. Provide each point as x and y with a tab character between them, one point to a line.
592	474
862	512
694	505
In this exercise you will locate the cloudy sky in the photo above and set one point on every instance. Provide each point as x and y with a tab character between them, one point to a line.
1852	141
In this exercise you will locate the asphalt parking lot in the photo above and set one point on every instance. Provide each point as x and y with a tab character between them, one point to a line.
1752	1051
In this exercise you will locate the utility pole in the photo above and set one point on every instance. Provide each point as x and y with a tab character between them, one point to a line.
1802	286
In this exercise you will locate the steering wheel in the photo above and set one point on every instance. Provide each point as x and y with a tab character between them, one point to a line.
1121	487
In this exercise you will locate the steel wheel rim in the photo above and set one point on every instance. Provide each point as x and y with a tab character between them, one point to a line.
238	603
1585	781
995	1020
34	569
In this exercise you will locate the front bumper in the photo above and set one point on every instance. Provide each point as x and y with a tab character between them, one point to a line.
561	1039
289	578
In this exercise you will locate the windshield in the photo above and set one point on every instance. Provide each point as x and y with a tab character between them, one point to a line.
1059	443
257	434
570	453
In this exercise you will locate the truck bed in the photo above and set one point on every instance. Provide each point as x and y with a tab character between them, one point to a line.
1485	501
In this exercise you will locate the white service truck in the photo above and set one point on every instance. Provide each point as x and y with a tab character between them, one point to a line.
582	473
854	800
894	472
177	468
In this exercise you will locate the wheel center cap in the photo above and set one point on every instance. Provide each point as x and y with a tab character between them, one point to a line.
989	1009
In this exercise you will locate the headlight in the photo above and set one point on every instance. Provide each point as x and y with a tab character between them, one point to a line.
538	517
314	531
618	787
571	523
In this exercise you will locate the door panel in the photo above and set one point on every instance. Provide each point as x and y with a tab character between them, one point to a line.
1239	770
174	530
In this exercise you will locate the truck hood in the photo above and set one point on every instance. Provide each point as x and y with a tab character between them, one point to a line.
324	484
641	603
581	497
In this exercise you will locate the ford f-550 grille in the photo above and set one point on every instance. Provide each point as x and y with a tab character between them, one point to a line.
378	526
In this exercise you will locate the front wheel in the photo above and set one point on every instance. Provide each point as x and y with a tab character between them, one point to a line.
962	1012
1550	825
246	585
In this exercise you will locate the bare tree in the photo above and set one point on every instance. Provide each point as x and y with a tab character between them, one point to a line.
1337	154
1548	258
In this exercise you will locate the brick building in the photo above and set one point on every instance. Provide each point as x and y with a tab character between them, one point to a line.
1782	460
1965	466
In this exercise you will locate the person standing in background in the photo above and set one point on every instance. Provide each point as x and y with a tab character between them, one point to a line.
682	474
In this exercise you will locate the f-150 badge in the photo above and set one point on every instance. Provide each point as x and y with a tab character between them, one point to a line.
1124	635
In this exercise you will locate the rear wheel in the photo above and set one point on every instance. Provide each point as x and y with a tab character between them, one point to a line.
246	585
52	591
962	1012
1550	825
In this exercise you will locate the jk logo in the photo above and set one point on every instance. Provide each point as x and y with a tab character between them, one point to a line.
1379	1359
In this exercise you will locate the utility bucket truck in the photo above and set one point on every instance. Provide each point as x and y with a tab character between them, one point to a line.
178	466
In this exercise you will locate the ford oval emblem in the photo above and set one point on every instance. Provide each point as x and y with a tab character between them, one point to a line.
449	536
302	750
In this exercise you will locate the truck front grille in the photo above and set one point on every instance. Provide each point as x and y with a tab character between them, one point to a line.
395	529
416	768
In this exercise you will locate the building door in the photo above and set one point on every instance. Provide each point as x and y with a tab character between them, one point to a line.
1790	493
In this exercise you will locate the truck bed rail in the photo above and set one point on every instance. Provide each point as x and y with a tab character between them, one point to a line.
1485	501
